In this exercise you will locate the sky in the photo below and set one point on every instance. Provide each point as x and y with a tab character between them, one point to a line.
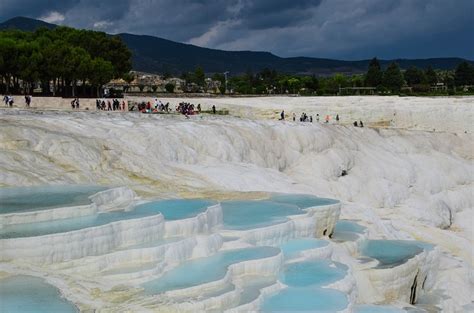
341	29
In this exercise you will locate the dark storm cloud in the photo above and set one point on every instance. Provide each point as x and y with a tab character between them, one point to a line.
326	28
32	8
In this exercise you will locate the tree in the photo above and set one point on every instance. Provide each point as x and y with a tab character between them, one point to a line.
464	74
169	87
414	76
393	78
102	73
199	76
374	74
294	84
431	76
311	83
62	56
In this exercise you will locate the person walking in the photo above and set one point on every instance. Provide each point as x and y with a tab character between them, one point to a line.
337	118
213	109
28	100
282	115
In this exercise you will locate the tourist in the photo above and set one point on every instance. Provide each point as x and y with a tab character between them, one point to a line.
337	118
355	123
11	101
361	124
123	105
282	115
327	119
199	107
77	103
5	99
317	117
294	116
28	100
311	119
213	109
73	104
109	105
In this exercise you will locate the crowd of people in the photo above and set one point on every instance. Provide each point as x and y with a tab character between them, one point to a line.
185	108
113	105
148	107
309	118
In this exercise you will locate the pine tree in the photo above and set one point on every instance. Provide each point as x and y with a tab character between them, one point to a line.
414	76
464	74
374	74
393	78
431	76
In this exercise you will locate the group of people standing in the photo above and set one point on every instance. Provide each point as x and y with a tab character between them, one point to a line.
113	105
75	103
186	108
309	118
9	100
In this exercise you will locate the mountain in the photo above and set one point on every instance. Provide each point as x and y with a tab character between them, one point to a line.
158	55
25	24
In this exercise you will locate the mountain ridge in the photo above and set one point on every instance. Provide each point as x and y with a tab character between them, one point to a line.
158	55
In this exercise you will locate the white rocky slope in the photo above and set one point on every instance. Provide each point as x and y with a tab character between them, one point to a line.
450	114
400	183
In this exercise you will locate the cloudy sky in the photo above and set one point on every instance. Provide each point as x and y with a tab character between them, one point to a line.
345	29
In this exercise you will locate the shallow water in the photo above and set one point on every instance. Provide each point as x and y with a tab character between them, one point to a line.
390	253
294	247
173	209
347	231
252	287
306	299
204	270
312	273
301	200
241	215
24	199
349	226
32	295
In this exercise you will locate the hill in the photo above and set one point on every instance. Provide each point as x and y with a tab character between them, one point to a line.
157	55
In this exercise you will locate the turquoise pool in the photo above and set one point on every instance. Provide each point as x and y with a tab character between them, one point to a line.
391	253
306	299
242	215
319	272
173	209
204	270
301	200
32	295
294	247
24	199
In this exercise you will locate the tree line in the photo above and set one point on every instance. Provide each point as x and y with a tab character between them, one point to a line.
65	61
391	80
